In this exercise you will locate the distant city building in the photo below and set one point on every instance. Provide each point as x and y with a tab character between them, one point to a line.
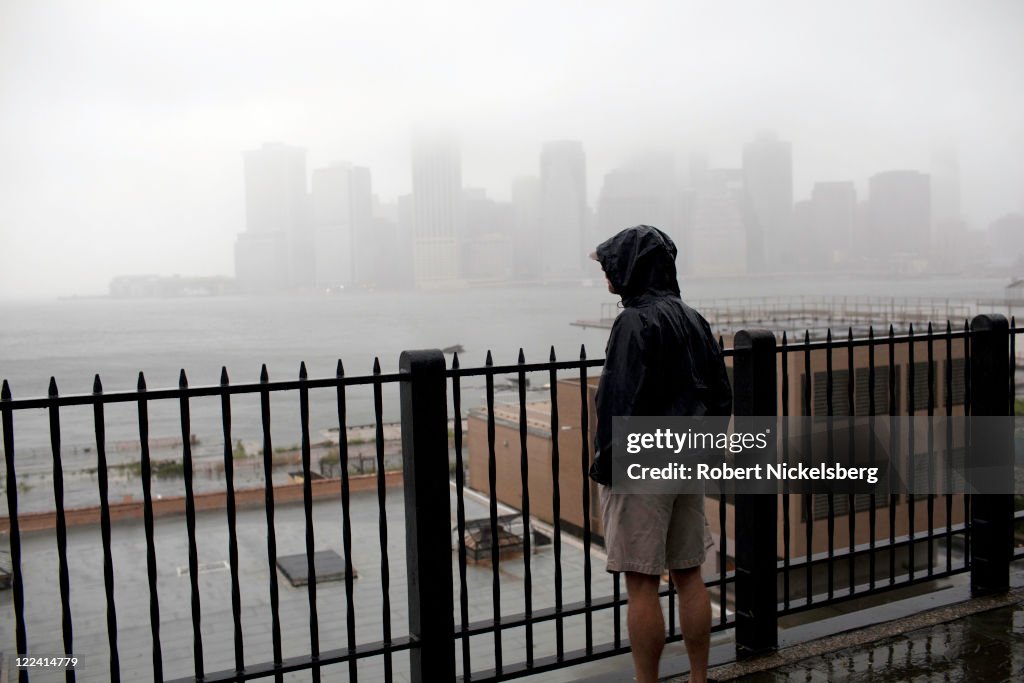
642	191
899	215
768	179
526	228
341	210
1006	241
276	248
716	222
833	217
949	231
437	203
563	208
484	250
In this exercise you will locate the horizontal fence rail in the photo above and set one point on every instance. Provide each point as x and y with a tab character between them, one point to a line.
503	485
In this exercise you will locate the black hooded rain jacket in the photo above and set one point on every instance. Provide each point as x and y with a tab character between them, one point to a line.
662	358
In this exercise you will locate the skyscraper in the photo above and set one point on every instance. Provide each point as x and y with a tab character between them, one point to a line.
437	204
899	214
563	208
716	224
641	191
526	227
768	179
276	248
833	214
341	212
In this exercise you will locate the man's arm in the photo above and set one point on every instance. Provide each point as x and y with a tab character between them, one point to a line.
621	379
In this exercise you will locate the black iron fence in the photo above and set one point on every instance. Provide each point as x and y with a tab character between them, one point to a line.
470	609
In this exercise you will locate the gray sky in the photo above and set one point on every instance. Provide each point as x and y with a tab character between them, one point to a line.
122	123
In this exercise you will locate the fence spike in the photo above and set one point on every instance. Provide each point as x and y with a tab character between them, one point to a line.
182	379
264	376
488	361
376	365
52	389
910	330
828	335
783	337
5	392
551	356
340	369
141	385
224	375
302	369
583	352
455	361
97	385
522	358
892	330
849	333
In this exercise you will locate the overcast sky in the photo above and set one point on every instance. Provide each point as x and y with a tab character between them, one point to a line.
122	123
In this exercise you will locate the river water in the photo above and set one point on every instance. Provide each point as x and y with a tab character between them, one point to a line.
72	340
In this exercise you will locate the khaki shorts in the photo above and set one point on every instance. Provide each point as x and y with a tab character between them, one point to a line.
648	533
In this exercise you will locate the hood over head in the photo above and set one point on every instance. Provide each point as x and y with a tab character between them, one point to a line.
639	260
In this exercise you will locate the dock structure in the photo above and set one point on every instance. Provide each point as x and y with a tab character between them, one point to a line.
818	313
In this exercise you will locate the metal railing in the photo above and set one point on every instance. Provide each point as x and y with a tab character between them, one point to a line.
571	612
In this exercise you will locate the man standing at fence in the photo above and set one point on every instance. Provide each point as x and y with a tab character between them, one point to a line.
662	359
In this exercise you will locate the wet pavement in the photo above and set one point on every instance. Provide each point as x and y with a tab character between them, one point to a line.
987	646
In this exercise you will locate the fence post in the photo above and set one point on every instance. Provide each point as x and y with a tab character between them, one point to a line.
991	514
755	386
428	538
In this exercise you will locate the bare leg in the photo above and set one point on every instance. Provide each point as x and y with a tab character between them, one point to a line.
694	619
646	625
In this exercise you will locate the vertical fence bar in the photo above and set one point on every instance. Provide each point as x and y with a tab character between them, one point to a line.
382	531
346	522
190	524
991	514
556	511
892	449
830	521
786	530
969	536
492	483
146	474
588	616
872	499
460	515
427	515
808	497
61	526
108	559
524	473
931	451
912	473
307	509
756	514
268	502
229	490
851	501
17	580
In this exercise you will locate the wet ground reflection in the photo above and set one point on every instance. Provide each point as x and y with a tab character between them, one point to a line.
985	647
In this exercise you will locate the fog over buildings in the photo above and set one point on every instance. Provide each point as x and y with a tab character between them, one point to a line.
392	144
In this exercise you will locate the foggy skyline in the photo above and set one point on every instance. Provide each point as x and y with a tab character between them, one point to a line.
122	128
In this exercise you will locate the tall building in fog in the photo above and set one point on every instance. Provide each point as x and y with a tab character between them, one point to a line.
276	248
485	251
526	227
341	214
949	231
563	209
437	205
717	223
899	216
768	179
833	217
642	191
